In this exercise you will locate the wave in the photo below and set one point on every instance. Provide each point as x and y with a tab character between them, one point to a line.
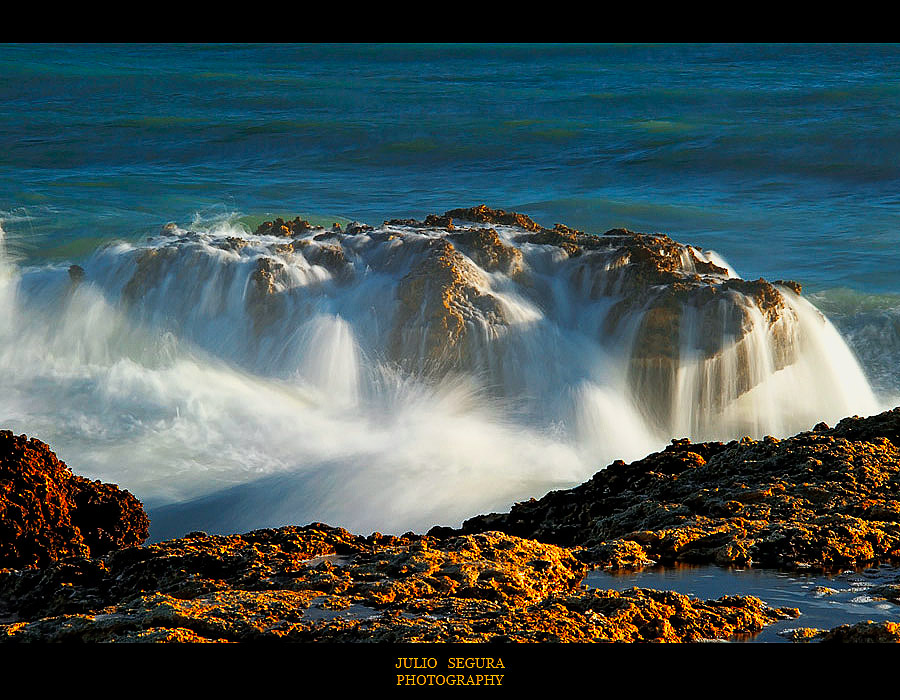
395	377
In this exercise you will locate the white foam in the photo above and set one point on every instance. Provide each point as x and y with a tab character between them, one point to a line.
185	387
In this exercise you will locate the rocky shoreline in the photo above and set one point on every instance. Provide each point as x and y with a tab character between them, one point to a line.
73	566
825	498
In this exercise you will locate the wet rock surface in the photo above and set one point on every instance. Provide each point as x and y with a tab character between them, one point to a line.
867	632
318	583
48	513
818	499
824	499
669	304
439	300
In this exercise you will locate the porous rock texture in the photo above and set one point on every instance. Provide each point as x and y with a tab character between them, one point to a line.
826	498
866	632
48	513
318	583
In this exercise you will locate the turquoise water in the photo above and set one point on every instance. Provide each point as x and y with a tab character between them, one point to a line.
782	159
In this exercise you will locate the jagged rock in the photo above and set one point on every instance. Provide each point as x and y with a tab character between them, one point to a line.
355	228
280	227
444	221
803	635
431	221
485	215
790	284
47	513
264	278
867	632
561	236
825	499
108	518
490	253
317	583
438	301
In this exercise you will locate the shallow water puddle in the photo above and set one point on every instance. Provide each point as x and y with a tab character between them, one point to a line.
824	600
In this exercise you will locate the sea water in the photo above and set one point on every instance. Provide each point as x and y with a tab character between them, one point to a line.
781	160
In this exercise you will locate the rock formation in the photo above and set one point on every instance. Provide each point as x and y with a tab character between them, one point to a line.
826	498
439	301
667	306
47	513
318	583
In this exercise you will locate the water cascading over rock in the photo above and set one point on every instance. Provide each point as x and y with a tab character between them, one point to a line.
395	376
470	291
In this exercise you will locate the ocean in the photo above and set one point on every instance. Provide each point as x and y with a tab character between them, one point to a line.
781	159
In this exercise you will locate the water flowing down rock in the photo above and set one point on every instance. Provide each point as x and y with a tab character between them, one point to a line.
469	290
226	358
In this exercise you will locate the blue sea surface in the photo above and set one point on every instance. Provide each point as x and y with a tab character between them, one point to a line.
782	158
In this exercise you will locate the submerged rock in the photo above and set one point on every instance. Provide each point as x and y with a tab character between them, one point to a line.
825	499
76	274
318	583
47	513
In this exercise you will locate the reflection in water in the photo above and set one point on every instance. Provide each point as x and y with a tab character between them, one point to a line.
824	600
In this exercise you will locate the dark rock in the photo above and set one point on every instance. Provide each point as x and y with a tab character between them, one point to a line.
47	513
280	227
485	215
790	284
867	632
232	243
76	273
826	499
264	303
355	227
108	518
444	221
148	272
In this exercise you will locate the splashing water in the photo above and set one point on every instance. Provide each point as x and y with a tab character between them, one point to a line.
231	382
